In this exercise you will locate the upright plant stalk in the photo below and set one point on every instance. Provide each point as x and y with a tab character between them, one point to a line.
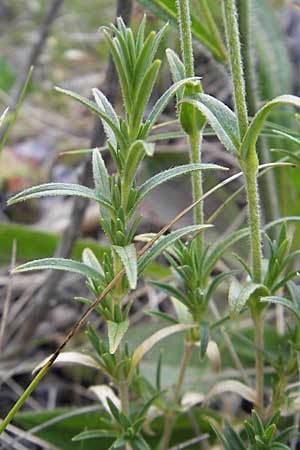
267	183
249	168
235	60
195	138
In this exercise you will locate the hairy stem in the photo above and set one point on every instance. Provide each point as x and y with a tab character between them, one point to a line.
195	157
171	418
267	184
184	18
259	362
256	253
236	66
254	222
195	139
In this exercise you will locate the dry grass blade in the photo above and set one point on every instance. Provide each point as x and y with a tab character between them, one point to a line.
7	300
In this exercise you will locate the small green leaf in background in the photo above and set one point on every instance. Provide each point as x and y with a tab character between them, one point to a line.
116	332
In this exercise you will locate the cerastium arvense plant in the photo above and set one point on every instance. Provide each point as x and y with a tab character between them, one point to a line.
193	261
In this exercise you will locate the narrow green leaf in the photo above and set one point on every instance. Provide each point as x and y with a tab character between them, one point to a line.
90	259
240	294
53	189
220	118
284	302
204	338
94	109
176	65
162	102
143	94
100	174
144	59
170	290
129	260
140	36
107	109
60	264
121	69
116	332
176	68
254	130
161	315
164	242
169	174
93	434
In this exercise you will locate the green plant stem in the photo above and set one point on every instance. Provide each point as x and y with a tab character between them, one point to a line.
256	254
195	142
268	185
184	18
236	67
123	389
259	362
23	397
254	221
171	417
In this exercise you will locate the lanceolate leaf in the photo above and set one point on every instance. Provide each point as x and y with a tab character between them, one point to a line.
240	294
90	259
257	123
107	109
143	94
60	264
176	65
288	304
136	153
95	109
129	260
100	174
162	102
220	118
94	434
164	242
53	189
169	174
116	332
